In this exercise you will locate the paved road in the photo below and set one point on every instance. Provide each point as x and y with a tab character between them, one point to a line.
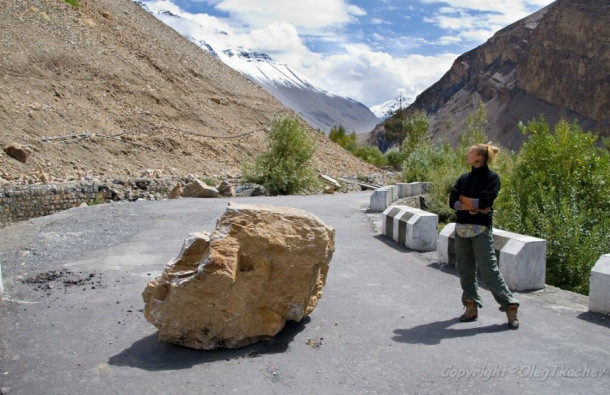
71	320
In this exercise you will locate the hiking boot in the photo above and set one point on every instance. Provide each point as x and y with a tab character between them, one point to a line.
511	314
471	312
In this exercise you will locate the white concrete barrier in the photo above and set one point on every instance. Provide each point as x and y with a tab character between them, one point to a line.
414	228
599	286
383	197
522	259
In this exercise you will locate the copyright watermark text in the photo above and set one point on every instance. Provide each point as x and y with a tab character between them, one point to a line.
535	372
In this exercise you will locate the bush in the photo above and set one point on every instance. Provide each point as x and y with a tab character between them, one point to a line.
558	190
338	135
73	3
286	167
394	157
368	153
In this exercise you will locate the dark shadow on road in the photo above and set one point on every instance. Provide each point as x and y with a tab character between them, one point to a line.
392	244
434	332
153	355
595	318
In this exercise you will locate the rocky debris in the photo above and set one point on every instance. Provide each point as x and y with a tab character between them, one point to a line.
226	189
139	117
250	190
331	181
199	189
18	152
329	190
55	279
262	265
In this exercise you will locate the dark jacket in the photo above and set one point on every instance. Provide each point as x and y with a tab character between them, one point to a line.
481	183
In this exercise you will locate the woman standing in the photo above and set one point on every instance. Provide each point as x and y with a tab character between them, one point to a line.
473	196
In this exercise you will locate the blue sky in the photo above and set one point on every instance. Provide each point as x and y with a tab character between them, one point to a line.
371	51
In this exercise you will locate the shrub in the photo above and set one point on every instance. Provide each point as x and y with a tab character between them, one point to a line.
338	135
73	3
368	153
286	167
394	157
558	190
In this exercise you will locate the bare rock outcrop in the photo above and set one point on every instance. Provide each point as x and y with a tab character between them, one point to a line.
554	62
262	265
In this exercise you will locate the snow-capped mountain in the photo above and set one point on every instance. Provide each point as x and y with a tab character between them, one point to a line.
320	108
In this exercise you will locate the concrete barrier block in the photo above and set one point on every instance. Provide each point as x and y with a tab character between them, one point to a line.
387	222
446	245
422	230
521	258
414	228
381	199
599	286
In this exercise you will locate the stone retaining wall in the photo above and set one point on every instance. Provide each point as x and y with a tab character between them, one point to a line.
20	203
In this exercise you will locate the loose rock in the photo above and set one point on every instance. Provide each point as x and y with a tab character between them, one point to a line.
199	189
18	152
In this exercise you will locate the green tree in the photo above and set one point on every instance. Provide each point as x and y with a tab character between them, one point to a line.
558	190
415	131
286	166
338	135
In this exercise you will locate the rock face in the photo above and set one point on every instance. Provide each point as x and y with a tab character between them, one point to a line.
554	62
262	265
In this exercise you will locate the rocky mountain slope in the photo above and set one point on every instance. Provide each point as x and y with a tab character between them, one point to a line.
556	62
320	108
106	90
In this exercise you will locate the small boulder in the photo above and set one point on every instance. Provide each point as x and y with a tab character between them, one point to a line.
262	265
18	152
199	189
331	181
225	189
176	192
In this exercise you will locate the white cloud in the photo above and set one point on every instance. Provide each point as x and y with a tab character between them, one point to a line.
478	20
369	74
372	77
311	14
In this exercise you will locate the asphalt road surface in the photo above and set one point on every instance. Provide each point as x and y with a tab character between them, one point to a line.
71	319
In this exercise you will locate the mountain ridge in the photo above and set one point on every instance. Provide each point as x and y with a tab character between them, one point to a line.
554	62
321	109
106	90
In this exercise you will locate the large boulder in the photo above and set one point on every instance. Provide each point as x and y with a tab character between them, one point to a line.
262	265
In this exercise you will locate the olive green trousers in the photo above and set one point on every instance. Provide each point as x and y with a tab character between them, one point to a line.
478	251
